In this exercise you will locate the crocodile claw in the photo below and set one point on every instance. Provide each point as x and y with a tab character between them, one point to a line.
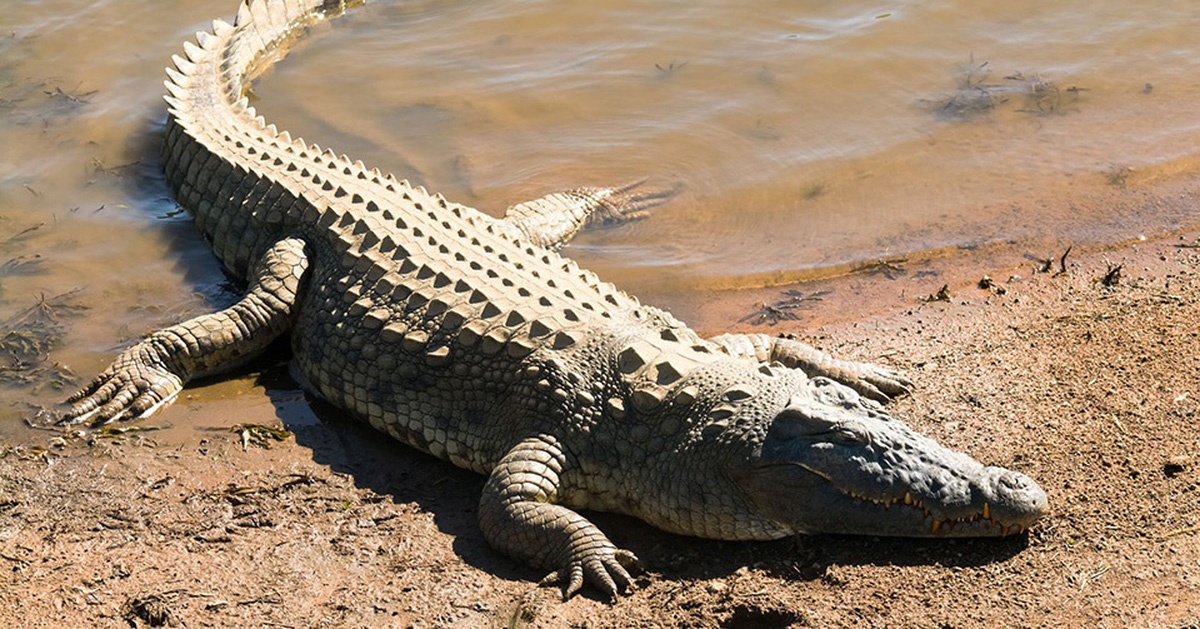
136	385
606	569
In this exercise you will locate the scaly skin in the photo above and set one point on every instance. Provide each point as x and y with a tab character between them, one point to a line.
472	339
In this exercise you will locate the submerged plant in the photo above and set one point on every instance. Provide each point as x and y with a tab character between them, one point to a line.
974	95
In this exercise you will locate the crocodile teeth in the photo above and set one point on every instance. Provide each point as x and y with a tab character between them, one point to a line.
937	526
987	511
908	499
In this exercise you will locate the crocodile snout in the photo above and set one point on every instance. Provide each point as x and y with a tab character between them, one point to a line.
1012	498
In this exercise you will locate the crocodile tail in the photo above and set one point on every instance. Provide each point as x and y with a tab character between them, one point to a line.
214	136
215	69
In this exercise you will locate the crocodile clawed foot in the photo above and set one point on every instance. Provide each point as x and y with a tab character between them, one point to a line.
132	388
878	383
629	202
870	381
605	569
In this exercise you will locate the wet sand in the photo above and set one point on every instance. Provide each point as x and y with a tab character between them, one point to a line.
1091	389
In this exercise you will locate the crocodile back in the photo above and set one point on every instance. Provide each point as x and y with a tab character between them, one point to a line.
397	272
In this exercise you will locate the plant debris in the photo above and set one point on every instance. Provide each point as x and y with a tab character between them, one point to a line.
889	268
669	70
110	431
21	235
987	283
975	96
1118	176
1062	262
943	294
152	610
260	435
27	453
1112	276
783	309
1044	97
31	334
1046	265
21	265
74	96
119	171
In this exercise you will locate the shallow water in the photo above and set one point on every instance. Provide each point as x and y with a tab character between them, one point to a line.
806	136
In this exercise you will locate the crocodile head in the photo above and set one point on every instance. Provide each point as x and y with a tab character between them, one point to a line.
829	461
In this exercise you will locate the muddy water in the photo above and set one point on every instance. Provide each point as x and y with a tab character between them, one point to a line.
806	136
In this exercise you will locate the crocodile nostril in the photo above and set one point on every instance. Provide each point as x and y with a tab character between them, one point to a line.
1013	496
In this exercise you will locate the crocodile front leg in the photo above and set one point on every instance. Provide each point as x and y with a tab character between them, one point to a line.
554	219
872	381
518	516
149	375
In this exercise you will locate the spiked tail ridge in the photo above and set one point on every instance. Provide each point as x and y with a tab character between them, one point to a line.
218	153
231	50
214	70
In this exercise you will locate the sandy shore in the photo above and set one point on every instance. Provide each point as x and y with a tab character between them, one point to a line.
1093	390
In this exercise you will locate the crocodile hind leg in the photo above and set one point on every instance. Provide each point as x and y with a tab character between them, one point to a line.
150	374
554	219
518	516
872	381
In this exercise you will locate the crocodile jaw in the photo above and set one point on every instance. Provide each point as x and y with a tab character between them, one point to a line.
801	502
831	463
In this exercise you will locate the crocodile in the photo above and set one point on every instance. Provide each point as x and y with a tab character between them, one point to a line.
473	339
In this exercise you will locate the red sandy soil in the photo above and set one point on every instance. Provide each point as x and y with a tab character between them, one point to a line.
1093	390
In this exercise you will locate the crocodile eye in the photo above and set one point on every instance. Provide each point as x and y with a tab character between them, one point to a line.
848	435
803	421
